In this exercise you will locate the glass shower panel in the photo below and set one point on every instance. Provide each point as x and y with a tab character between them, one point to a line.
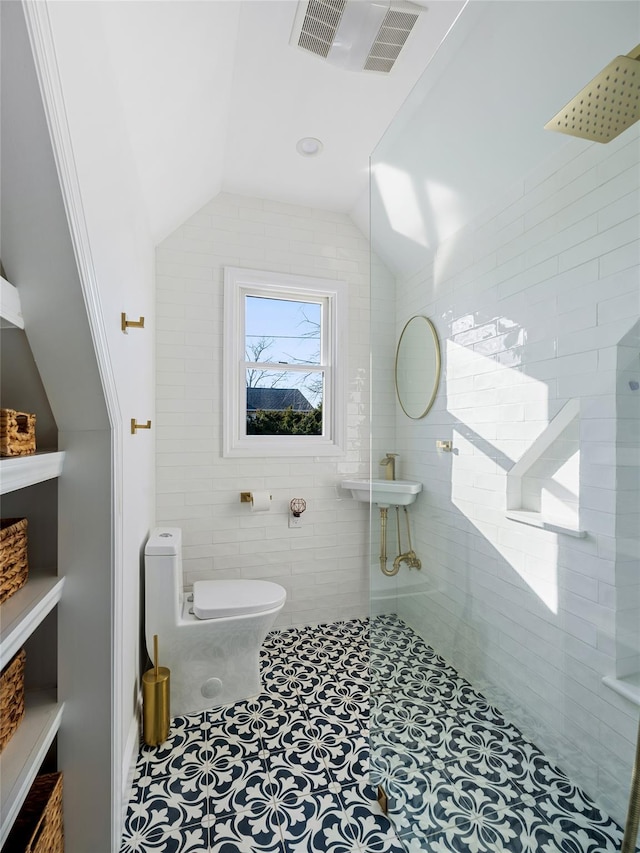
506	670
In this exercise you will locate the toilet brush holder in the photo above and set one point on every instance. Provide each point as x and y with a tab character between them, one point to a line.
155	702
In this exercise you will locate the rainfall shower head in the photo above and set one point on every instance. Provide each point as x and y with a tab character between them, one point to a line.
607	106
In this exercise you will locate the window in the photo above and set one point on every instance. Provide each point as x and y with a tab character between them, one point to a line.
284	364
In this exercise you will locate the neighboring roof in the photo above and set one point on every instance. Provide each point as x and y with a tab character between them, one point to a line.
277	400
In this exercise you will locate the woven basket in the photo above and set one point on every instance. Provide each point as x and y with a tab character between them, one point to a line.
14	565
38	827
11	697
17	433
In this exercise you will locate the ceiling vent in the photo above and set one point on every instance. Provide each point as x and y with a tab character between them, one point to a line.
360	35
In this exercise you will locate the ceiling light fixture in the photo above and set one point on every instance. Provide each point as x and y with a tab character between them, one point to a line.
309	146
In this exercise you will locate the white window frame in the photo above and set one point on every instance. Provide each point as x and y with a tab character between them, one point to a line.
239	283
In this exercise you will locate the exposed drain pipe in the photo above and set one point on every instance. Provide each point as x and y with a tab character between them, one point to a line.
383	545
410	557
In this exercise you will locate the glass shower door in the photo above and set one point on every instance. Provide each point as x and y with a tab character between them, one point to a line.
506	670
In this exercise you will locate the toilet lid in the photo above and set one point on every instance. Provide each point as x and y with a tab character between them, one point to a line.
215	599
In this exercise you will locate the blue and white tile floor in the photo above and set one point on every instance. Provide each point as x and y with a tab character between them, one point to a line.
289	771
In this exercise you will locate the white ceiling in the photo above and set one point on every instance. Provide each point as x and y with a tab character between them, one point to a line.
215	99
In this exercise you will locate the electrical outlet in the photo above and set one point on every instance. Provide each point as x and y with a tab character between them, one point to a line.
295	521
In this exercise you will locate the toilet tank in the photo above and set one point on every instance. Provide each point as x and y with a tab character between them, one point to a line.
163	581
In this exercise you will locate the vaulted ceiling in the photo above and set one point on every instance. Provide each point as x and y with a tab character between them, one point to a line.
215	98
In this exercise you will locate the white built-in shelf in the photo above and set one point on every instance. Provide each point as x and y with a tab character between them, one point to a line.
21	614
10	308
536	519
18	472
629	686
22	756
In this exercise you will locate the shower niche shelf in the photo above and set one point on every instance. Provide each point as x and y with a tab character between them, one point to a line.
536	519
536	495
627	686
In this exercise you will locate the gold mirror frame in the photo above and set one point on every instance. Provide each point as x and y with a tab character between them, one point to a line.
432	340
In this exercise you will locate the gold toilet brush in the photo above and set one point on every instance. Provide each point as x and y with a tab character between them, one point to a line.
155	701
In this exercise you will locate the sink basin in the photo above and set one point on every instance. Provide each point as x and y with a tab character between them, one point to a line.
384	492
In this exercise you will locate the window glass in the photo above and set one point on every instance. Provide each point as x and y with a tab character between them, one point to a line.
287	404
282	330
284	365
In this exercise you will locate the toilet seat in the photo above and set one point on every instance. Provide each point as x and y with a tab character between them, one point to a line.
217	599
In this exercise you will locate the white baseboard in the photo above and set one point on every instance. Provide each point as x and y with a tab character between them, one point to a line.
130	758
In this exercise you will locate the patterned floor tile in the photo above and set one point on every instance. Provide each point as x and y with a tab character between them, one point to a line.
569	812
189	839
288	729
350	725
183	753
176	803
295	770
348	759
404	713
295	679
317	825
511	830
239	786
248	832
295	774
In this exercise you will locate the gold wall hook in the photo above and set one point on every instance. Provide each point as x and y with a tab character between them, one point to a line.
130	324
136	426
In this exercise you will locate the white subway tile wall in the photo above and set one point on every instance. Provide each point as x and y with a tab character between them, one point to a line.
324	564
535	303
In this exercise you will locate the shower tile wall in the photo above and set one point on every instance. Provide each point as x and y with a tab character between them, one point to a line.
322	564
536	302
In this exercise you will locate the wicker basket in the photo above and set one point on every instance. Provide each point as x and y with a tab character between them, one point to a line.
17	433
38	827
11	697
14	565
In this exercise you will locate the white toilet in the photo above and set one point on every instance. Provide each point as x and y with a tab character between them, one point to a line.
209	640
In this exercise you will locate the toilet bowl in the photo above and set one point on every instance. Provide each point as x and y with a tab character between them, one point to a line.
210	639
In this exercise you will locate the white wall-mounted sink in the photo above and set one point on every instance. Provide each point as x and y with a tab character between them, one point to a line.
384	492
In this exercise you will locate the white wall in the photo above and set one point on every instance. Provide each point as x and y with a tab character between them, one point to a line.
114	252
322	565
530	301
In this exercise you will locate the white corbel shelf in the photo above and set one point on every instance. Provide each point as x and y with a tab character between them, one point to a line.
24	753
10	308
21	471
21	614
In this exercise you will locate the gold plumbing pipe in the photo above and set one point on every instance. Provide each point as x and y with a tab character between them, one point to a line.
410	557
633	814
383	545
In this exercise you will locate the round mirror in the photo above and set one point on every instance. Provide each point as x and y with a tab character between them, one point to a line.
417	367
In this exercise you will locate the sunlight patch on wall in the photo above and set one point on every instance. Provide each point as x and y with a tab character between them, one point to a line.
400	201
444	205
535	562
499	412
501	405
